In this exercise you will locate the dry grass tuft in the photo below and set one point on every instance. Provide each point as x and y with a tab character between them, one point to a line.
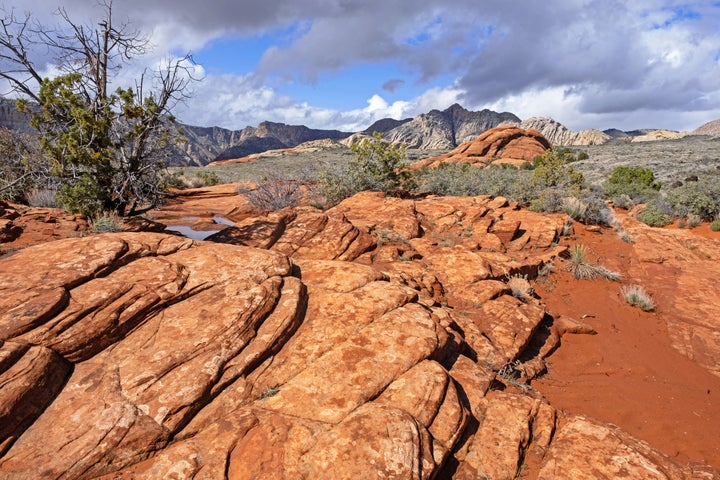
520	287
581	267
107	222
636	296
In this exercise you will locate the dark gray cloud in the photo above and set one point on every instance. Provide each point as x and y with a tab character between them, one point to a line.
393	84
610	57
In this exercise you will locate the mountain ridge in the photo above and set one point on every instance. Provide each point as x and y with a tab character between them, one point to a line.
436	130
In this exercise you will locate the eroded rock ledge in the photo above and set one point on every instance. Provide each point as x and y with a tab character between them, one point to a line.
375	340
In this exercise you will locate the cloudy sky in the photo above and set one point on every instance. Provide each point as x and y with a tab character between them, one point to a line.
346	63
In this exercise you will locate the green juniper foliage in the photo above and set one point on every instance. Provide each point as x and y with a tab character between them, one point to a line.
103	145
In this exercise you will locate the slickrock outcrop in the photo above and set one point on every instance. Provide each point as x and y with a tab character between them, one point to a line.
557	134
377	339
504	144
682	269
656	135
710	128
21	226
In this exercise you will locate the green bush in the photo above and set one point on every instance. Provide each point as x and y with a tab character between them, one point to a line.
715	225
466	180
85	195
172	180
377	166
553	170
638	183
654	216
209	178
701	198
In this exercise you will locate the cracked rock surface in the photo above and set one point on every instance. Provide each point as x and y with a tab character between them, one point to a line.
378	339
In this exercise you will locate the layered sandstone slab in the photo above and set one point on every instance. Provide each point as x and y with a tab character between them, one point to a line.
377	339
503	144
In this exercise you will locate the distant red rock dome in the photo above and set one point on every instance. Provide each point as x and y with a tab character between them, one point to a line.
503	144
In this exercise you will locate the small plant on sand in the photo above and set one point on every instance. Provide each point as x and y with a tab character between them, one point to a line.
520	287
715	224
620	230
693	220
269	392
273	194
636	296
582	268
107	222
546	268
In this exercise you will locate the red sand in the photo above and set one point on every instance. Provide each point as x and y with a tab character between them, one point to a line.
628	374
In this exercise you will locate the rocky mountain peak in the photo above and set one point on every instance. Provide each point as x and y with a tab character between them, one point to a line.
447	128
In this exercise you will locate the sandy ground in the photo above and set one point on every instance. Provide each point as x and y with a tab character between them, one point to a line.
628	374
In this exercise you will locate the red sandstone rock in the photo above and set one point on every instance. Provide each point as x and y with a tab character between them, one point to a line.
319	355
503	144
681	271
22	226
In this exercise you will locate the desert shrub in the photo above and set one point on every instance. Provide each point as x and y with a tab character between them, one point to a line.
466	180
107	222
693	220
41	197
180	180
548	200
638	183
520	287
715	225
582	268
621	232
209	178
582	156
624	235
587	209
553	170
622	201
377	166
655	216
636	296
172	180
23	168
574	207
273	194
701	198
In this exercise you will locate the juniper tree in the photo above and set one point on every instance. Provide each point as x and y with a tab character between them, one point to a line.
104	145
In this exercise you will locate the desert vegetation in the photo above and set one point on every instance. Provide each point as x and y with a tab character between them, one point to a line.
583	269
377	166
102	144
520	286
273	193
636	296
